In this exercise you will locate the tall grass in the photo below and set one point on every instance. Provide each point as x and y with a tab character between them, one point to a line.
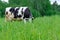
42	28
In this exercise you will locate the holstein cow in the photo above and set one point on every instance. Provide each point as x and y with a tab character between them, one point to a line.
20	13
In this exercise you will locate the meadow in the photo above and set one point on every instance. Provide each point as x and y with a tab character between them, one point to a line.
42	28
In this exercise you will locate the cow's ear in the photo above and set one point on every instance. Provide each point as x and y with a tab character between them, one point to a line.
12	10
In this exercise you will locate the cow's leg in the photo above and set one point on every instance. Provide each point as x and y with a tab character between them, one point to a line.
30	20
25	21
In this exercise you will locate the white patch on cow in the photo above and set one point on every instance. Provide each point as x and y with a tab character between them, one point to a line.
16	8
24	8
19	11
8	8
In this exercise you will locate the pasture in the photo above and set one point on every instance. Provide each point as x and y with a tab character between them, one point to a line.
42	28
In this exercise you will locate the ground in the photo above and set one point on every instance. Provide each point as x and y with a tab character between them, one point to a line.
42	28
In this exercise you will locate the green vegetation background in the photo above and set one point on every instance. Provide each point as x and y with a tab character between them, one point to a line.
37	7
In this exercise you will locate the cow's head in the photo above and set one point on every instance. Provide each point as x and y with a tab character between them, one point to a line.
8	14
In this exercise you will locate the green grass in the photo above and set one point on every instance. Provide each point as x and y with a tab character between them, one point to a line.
42	28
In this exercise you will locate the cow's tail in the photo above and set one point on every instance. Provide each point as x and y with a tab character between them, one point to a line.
32	18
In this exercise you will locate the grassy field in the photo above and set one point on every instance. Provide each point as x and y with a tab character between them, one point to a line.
42	28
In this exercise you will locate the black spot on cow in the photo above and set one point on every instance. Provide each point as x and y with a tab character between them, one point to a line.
12	10
19	16
27	13
16	12
22	11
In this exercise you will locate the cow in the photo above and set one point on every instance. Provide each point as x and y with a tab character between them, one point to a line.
19	13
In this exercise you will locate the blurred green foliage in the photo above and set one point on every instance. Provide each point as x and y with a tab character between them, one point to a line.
37	7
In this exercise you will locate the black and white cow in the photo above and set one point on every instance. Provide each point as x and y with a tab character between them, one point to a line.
20	13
